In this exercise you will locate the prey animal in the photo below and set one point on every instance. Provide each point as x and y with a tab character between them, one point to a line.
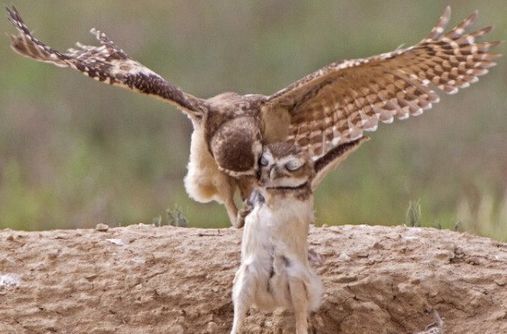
275	270
319	112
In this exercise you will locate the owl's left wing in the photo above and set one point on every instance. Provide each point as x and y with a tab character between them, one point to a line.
106	63
333	158
337	103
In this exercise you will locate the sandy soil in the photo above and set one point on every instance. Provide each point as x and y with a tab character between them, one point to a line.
144	279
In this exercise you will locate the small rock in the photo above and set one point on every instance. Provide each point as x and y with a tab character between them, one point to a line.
501	281
212	328
498	315
361	254
346	278
117	242
178	329
344	257
102	227
9	280
52	255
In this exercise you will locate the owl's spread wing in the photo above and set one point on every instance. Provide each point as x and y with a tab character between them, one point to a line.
337	103
107	63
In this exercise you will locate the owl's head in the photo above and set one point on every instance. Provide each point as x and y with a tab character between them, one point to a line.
284	165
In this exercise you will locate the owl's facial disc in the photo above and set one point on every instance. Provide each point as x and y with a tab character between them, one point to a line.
282	166
236	147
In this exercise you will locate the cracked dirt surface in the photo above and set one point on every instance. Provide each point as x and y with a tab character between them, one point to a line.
144	279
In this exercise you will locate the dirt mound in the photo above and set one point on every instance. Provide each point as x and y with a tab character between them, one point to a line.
144	279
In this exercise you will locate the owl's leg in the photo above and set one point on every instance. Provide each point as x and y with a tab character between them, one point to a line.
232	211
246	186
240	311
242	297
298	293
246	208
228	188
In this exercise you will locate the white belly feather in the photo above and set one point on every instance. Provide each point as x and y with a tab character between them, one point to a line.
274	250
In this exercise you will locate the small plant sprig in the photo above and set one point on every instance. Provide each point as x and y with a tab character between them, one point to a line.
174	217
414	216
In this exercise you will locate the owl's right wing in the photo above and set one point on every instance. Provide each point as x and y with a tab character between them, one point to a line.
106	63
337	103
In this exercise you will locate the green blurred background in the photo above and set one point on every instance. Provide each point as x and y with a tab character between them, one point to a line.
74	153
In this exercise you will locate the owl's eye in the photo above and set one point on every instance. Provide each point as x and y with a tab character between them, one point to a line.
263	161
293	165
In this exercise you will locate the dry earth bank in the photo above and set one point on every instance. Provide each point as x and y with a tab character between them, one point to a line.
144	279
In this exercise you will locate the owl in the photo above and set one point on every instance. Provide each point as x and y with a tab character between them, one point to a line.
275	271
332	106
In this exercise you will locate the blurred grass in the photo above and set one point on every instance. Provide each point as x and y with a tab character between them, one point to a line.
74	153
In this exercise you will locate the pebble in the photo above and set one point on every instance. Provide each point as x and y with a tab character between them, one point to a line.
212	327
102	227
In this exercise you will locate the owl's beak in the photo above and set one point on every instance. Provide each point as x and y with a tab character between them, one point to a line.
273	173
